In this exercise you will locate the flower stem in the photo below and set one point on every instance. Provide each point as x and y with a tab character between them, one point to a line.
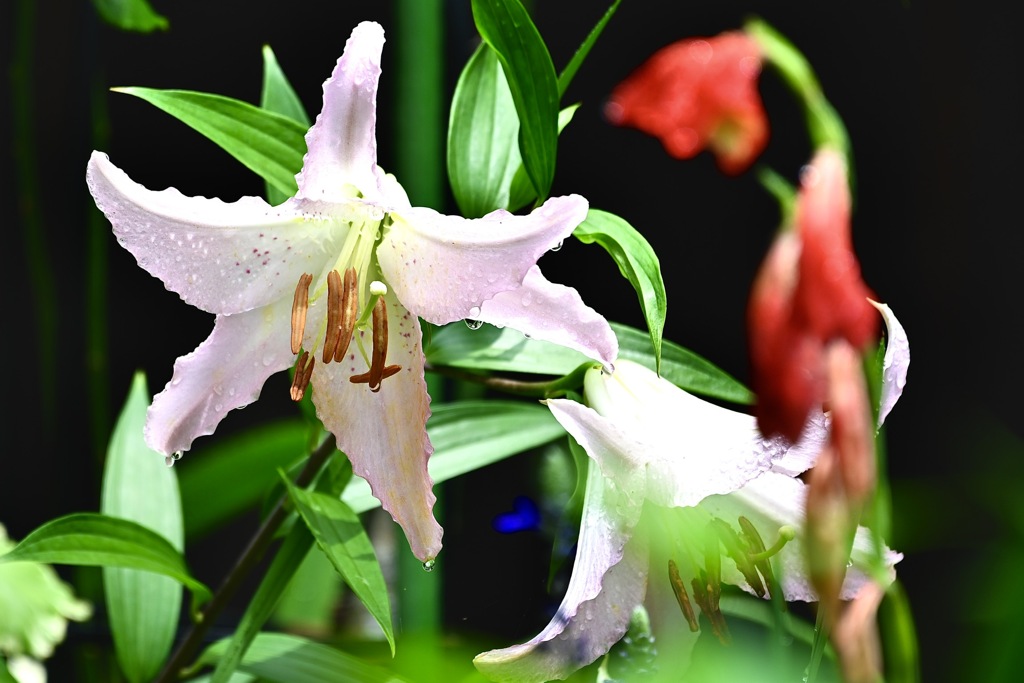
550	389
250	557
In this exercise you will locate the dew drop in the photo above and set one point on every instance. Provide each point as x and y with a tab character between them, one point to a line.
474	324
169	461
474	312
557	246
428	566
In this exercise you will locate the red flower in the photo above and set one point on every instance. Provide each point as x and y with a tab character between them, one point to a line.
698	93
807	294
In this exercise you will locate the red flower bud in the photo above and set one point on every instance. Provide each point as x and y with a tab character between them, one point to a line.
830	297
695	94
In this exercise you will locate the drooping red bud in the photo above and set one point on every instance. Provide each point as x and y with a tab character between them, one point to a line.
830	298
696	94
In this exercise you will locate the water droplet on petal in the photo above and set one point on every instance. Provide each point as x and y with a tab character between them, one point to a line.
428	566
474	312
474	324
169	460
558	246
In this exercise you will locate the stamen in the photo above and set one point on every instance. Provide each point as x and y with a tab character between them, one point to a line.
682	597
300	305
738	552
303	373
378	371
349	308
333	310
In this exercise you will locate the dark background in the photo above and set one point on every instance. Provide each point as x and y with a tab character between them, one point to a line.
928	93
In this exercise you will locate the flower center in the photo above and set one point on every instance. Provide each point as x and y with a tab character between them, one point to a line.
745	547
343	312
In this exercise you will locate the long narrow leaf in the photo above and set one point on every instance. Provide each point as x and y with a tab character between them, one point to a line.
637	262
270	145
499	349
287	560
468	435
340	535
142	607
94	540
569	72
292	659
482	129
682	367
508	29
279	97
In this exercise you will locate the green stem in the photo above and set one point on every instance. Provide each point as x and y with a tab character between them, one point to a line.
246	562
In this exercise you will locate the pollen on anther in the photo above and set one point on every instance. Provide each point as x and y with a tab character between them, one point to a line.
334	292
303	373
300	305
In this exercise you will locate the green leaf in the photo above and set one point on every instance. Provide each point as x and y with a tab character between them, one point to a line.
637	262
503	350
131	15
142	607
279	97
682	367
508	29
569	72
522	193
232	474
340	535
482	129
292	659
468	435
269	144
286	562
93	540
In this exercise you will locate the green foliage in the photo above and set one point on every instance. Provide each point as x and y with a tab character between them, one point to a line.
292	659
131	15
212	490
94	540
278	97
637	262
507	28
341	537
142	607
271	145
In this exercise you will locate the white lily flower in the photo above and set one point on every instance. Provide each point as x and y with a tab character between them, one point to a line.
654	442
298	275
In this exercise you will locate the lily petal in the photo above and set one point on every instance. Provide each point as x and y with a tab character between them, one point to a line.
445	267
609	579
691	448
342	144
555	313
896	361
224	258
225	372
384	432
804	453
774	500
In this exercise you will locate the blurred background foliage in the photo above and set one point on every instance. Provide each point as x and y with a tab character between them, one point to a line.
929	94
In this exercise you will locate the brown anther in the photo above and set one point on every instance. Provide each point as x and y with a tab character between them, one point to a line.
378	371
300	305
347	315
303	373
334	291
682	597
